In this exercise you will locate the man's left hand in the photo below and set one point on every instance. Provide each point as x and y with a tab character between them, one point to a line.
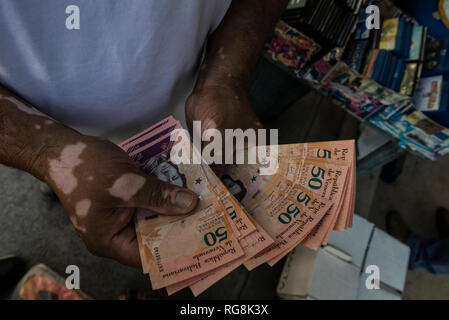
221	107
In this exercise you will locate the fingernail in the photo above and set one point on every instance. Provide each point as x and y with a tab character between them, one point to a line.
184	199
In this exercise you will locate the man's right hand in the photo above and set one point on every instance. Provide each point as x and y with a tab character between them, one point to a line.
99	186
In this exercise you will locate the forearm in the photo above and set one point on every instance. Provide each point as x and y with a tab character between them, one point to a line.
234	48
27	136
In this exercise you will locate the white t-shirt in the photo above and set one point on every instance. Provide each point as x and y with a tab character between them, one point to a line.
120	68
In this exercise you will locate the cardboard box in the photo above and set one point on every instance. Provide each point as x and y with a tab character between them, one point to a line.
384	293
318	275
391	256
354	241
337	271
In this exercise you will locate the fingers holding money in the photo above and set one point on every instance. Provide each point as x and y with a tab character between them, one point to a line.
155	195
124	247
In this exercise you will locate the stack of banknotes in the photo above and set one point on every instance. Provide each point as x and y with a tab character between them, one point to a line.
244	217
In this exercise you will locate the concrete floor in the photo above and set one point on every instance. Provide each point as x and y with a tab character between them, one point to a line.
365	193
421	188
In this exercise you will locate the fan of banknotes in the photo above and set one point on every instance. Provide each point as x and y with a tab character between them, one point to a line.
244	217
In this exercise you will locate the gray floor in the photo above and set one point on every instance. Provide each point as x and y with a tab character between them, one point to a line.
421	188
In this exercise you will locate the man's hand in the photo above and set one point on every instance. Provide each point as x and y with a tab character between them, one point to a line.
100	187
219	99
221	107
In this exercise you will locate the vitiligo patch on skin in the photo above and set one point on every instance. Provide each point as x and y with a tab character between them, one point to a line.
127	186
221	54
74	220
209	124
61	170
38	127
22	107
90	178
166	194
82	207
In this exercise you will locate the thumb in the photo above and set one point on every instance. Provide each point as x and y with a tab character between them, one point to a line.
163	198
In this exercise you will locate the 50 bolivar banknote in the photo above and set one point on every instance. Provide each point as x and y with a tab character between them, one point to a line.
244	217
